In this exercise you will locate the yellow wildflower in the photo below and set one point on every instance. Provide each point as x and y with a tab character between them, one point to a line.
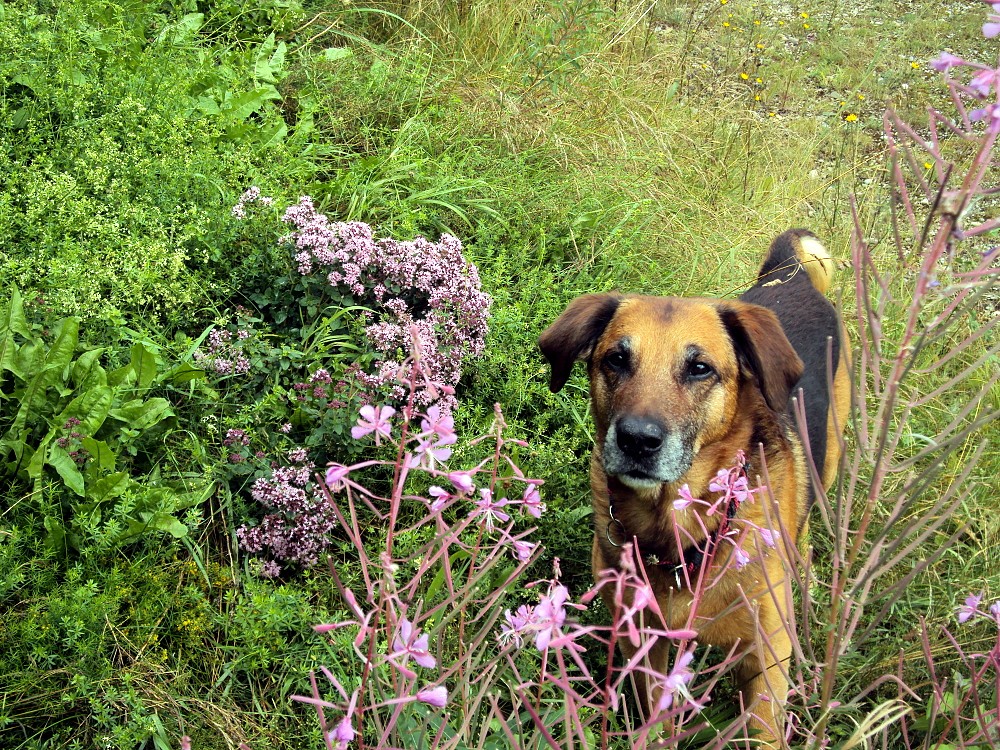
744	76
851	117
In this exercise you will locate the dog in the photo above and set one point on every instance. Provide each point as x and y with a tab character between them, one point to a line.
680	387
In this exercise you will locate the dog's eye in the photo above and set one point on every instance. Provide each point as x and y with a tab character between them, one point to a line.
699	370
616	360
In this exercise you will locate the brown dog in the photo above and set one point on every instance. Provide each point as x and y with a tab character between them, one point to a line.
678	388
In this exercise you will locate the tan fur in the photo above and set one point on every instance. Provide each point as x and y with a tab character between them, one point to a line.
723	416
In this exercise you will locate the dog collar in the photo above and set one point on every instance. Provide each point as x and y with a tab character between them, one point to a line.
693	557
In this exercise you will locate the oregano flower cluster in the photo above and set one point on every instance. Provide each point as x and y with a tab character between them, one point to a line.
409	285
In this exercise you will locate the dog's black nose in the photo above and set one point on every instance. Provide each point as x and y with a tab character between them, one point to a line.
639	437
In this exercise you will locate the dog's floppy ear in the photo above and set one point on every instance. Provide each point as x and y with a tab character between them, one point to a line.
763	350
573	334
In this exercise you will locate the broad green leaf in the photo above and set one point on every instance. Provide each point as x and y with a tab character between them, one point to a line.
241	107
273	135
87	370
56	539
61	461
184	500
48	369
13	320
183	31
101	456
90	407
111	486
185	372
158	521
144	365
142	414
332	54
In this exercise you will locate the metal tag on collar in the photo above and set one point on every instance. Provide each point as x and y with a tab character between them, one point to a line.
614	521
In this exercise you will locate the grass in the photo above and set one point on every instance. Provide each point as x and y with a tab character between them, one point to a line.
573	147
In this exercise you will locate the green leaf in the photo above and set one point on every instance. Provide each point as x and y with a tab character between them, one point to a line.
87	371
90	407
158	521
56	539
111	486
102	457
142	414
241	107
184	373
144	365
66	467
332	54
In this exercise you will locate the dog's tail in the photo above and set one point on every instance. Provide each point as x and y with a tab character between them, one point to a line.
795	251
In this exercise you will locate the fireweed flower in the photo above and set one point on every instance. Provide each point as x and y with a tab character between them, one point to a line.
946	61
373	419
335	476
995	611
992	26
429	452
523	550
410	643
675	684
436	423
342	735
971	607
489	510
517	624
684	498
436	696
532	501
462	481
550	614
440	498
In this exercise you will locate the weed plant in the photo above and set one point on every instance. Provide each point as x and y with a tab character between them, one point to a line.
573	147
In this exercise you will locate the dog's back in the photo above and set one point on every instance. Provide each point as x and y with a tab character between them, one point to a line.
792	281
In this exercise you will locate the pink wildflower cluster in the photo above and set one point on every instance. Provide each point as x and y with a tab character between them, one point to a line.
428	450
223	354
417	284
298	529
73	440
252	195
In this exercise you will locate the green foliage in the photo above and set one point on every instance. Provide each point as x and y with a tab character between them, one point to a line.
74	437
125	139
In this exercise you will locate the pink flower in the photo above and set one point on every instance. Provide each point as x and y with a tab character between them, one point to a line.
675	684
524	550
517	624
489	509
436	696
436	423
742	558
428	452
549	616
408	644
335	476
992	26
684	498
343	734
440	498
768	536
995	611
971	607
462	481
532	501
373	419
945	61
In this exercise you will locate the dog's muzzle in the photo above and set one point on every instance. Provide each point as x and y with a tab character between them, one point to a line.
644	453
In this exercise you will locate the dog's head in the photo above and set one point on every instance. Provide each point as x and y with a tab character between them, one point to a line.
666	375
